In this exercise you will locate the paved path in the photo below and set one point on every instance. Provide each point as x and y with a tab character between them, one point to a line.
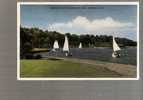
123	69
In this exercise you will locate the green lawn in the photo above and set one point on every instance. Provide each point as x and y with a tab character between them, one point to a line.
61	68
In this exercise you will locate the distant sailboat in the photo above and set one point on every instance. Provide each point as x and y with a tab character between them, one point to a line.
56	45
66	47
80	45
116	48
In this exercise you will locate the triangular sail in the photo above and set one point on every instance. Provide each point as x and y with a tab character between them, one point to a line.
66	44
56	45
80	45
115	45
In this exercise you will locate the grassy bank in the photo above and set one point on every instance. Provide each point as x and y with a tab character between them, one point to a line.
61	68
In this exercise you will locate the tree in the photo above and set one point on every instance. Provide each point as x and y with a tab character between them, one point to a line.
36	38
25	41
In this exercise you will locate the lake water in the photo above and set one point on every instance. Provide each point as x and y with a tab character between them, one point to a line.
128	55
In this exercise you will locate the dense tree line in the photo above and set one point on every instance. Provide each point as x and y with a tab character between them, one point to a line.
37	38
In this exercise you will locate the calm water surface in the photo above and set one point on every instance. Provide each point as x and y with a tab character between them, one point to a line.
128	55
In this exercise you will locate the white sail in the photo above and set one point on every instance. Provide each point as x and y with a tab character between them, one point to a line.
80	45
56	45
66	44
115	45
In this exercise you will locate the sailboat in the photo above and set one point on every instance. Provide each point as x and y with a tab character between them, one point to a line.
80	45
116	48
56	45
66	47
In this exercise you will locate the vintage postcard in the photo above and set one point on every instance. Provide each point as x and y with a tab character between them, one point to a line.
77	41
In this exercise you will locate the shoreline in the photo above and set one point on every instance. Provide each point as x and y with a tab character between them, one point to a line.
123	69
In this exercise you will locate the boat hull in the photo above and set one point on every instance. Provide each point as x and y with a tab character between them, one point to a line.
67	54
115	55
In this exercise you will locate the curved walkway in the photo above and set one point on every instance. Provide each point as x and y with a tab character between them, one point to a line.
123	69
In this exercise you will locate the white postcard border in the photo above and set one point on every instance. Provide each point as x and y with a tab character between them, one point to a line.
73	3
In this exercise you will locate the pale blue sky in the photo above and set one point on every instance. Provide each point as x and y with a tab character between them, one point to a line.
123	17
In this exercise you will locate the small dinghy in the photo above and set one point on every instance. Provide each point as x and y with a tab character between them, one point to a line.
55	46
66	47
80	45
116	49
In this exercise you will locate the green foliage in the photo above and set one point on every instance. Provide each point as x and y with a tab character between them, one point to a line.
61	68
37	38
25	41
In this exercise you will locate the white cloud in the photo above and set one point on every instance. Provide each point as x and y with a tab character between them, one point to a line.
98	24
82	25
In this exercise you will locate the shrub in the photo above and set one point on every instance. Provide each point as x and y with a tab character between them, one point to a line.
38	56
